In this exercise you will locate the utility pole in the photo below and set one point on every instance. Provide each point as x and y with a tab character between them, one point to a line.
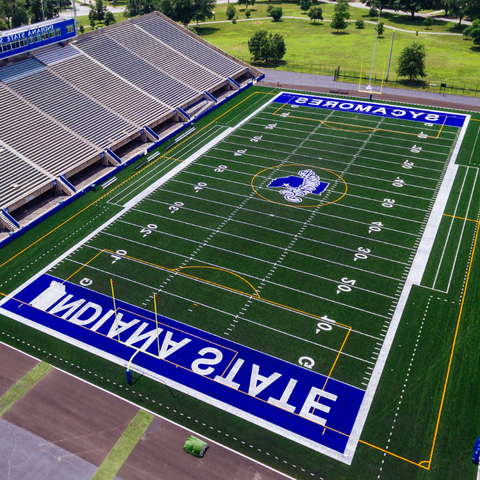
390	59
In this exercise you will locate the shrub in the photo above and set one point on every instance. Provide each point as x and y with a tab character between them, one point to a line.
315	13
360	24
276	13
373	12
428	22
231	11
247	13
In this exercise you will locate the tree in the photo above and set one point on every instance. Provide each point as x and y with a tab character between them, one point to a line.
473	31
472	10
315	13
13	13
258	45
377	4
166	7
411	6
231	12
380	28
40	10
342	8
276	13
142	7
411	62
277	47
248	13
305	5
109	18
97	11
339	22
428	22
203	10
373	12
264	46
246	2
360	24
456	8
3	25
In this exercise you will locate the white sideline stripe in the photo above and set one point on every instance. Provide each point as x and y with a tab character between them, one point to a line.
152	413
149	190
414	278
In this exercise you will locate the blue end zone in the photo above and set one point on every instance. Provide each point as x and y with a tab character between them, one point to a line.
368	108
285	398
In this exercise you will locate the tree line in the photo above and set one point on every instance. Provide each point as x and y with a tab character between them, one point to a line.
15	13
462	9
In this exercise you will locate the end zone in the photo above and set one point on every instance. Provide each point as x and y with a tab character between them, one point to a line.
295	402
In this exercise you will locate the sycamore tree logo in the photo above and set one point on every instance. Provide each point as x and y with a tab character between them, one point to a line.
293	187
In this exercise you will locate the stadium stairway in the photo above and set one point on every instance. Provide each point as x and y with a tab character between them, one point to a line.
7	221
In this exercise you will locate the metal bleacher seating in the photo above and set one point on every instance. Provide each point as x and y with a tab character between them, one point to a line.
88	75
189	46
136	70
166	58
68	105
19	177
48	143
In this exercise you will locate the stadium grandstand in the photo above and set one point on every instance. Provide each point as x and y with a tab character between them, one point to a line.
70	109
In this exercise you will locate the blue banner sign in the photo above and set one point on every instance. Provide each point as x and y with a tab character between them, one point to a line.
288	399
377	109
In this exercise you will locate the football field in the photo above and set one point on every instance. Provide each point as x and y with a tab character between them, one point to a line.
268	271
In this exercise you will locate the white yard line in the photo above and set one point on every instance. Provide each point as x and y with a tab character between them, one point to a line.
450	230
463	230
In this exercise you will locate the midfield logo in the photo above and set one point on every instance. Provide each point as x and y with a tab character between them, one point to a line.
293	187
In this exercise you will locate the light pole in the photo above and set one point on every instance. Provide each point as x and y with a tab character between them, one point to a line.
390	59
373	58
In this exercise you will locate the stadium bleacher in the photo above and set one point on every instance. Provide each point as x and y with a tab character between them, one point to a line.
133	68
68	105
122	97
64	105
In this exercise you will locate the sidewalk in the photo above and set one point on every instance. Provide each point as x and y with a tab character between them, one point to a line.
321	83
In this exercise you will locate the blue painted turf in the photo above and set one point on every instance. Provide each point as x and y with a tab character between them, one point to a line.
215	358
376	109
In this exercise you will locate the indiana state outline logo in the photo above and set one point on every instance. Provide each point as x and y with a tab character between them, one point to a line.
293	187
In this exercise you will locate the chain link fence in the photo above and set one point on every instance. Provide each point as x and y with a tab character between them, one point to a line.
352	76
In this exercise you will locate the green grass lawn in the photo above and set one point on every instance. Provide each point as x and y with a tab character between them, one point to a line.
450	59
315	48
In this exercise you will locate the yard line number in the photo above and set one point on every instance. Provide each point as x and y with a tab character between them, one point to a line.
175	207
362	254
346	285
148	230
375	227
199	186
118	255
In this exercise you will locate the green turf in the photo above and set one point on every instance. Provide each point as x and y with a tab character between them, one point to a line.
124	446
420	409
23	386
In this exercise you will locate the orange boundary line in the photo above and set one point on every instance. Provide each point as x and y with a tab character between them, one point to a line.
396	456
460	218
429	461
